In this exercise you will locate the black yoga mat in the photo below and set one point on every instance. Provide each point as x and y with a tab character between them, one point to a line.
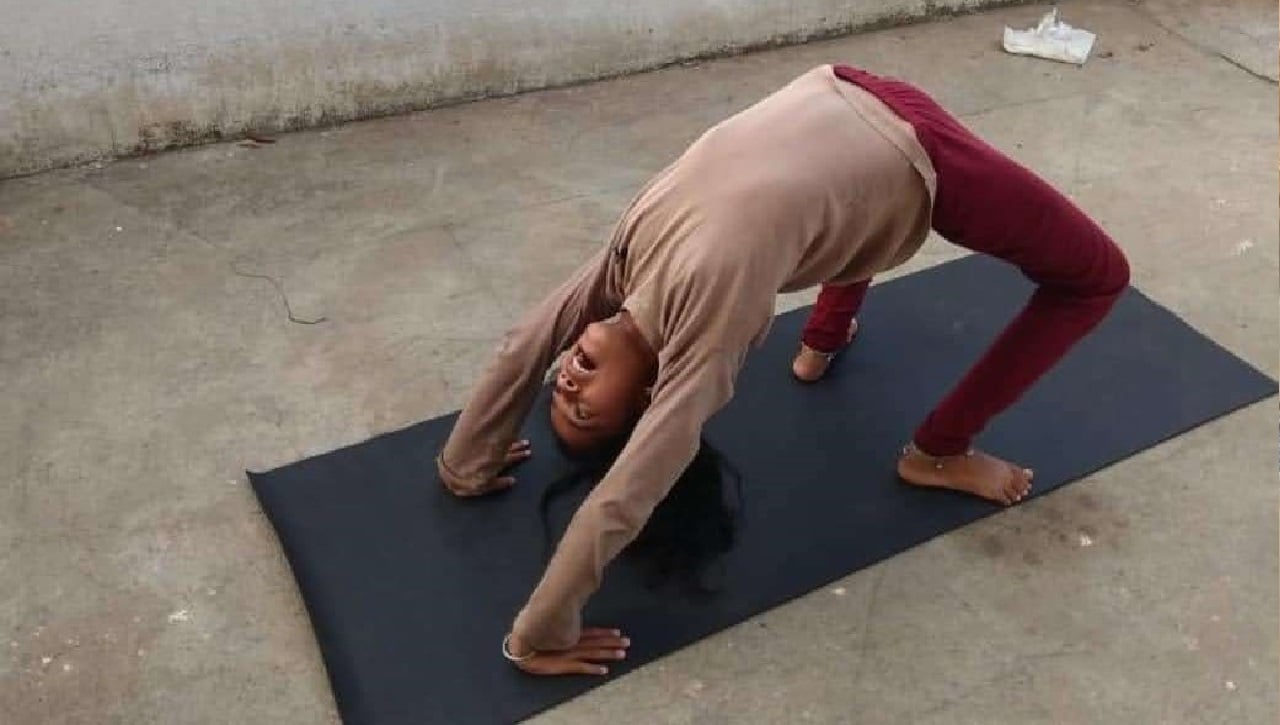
411	590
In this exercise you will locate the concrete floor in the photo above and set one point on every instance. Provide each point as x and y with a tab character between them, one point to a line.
143	367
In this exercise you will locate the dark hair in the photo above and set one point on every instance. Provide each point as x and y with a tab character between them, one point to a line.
689	530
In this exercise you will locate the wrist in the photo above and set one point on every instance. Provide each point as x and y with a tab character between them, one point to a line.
516	649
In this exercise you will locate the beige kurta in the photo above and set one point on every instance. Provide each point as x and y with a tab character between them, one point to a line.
817	183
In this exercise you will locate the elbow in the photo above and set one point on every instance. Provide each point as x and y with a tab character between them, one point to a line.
605	524
615	517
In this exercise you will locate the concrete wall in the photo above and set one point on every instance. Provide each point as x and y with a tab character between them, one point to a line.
83	79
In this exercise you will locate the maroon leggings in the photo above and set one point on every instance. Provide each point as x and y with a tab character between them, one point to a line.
986	202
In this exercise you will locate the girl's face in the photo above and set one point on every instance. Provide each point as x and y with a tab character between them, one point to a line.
602	385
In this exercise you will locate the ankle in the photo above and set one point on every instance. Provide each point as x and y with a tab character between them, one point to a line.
936	441
819	347
825	342
916	448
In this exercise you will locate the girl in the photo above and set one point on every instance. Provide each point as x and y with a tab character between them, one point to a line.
830	180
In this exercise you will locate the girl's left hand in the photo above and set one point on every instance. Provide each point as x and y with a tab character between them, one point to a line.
594	646
518	452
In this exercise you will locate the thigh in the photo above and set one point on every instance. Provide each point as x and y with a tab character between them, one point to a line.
989	203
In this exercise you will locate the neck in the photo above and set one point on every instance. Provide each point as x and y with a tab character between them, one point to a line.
638	341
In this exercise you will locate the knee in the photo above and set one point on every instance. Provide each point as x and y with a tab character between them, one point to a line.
1115	272
1106	273
1099	276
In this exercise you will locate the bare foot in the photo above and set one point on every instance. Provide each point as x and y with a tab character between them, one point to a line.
810	365
975	472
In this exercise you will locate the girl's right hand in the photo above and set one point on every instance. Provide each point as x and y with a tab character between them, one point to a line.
594	646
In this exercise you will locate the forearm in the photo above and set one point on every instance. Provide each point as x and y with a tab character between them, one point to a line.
607	521
701	350
656	455
489	422
476	448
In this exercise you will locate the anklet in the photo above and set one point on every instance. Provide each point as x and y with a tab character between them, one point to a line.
938	461
828	356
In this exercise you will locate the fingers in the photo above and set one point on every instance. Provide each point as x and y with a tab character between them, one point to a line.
560	665
597	638
598	633
572	663
519	451
500	484
611	641
600	645
567	666
602	640
598	655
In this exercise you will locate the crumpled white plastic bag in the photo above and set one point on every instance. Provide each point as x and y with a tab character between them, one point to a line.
1051	39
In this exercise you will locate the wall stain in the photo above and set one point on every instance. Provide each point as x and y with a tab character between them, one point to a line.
164	101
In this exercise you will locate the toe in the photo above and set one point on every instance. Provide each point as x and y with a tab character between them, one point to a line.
1008	493
1025	478
1017	486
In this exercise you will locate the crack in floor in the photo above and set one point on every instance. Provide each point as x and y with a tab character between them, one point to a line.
279	287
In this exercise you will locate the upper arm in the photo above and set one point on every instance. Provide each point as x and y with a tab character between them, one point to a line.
704	335
662	445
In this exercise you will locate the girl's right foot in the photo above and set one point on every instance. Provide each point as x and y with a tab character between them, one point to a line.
974	472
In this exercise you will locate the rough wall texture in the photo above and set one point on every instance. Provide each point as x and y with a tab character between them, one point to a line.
84	80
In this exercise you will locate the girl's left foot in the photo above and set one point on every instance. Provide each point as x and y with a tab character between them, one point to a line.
810	365
974	472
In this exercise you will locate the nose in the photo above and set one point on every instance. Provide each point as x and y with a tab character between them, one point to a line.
566	383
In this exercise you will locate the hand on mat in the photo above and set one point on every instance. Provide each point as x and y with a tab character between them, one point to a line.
518	452
594	646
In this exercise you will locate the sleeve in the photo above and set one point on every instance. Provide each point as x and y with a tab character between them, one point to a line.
697	364
488	424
